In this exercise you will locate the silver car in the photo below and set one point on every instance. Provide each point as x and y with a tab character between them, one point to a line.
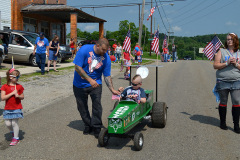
21	45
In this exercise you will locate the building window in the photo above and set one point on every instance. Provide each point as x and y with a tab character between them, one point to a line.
56	30
57	1
29	24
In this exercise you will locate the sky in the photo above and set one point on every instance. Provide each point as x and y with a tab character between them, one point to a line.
185	18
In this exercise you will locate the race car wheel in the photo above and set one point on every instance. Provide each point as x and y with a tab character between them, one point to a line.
159	114
103	137
138	141
115	104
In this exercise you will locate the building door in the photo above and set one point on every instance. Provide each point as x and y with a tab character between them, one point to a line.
45	29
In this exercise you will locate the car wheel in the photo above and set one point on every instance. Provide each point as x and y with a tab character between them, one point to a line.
103	137
33	60
59	58
159	114
138	141
115	104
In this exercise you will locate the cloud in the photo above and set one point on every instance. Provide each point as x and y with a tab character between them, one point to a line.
176	29
229	23
90	28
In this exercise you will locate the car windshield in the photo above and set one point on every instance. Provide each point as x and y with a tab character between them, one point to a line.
31	38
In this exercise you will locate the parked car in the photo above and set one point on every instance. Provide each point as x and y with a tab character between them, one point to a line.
21	45
187	58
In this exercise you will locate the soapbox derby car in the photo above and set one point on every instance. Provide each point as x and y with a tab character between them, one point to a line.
127	114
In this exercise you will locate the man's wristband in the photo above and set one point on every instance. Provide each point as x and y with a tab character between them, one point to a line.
226	64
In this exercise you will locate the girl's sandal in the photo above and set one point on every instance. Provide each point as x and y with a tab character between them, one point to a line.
56	70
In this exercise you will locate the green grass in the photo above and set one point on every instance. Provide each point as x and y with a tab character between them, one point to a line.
153	55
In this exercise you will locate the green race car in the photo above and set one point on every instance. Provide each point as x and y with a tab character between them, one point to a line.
127	114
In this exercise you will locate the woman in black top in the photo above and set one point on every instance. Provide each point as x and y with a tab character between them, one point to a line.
53	52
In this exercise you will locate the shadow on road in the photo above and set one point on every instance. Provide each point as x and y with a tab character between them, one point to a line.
77	124
8	137
203	119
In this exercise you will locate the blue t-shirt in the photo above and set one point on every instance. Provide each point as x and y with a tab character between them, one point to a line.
130	91
41	45
93	64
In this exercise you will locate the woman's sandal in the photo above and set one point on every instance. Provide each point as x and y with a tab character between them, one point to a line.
56	70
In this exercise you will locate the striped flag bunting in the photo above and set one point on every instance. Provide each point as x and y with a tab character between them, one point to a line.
212	47
127	42
155	43
152	10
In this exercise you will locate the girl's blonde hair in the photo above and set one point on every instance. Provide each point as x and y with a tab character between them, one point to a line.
13	72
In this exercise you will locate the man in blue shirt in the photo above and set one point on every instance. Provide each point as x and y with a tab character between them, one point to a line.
40	49
91	62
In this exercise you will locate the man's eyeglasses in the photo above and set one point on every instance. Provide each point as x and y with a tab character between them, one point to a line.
17	77
134	84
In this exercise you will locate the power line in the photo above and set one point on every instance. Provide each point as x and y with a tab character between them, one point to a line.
165	14
208	13
197	12
161	16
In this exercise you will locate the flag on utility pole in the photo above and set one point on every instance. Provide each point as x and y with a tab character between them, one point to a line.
152	10
155	43
127	42
212	47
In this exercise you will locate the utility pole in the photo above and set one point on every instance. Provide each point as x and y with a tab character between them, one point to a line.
150	53
194	53
141	24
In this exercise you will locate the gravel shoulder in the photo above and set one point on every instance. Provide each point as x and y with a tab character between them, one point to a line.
40	91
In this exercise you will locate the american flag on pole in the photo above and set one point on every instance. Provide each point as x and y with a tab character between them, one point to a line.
212	47
164	41
155	43
127	42
151	12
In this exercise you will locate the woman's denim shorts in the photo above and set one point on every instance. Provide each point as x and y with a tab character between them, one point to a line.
12	114
232	85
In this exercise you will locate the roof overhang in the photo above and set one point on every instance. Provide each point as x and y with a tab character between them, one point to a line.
61	12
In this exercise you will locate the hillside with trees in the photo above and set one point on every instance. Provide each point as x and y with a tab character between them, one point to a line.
185	45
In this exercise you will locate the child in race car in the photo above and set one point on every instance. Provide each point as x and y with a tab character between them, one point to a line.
134	92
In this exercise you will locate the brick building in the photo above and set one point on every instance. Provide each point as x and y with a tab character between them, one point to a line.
48	16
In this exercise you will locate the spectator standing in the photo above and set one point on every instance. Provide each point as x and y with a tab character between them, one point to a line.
4	43
165	53
91	63
72	47
40	49
12	93
53	52
228	80
119	52
174	53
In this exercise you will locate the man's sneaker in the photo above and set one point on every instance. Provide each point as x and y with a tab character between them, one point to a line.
14	142
87	130
96	132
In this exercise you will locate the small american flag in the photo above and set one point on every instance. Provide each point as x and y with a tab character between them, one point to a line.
164	41
127	42
212	47
155	43
151	12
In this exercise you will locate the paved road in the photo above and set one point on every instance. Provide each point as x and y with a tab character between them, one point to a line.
192	131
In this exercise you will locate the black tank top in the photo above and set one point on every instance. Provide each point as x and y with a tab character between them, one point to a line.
54	45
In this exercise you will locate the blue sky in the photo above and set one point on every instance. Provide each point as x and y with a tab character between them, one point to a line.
184	18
